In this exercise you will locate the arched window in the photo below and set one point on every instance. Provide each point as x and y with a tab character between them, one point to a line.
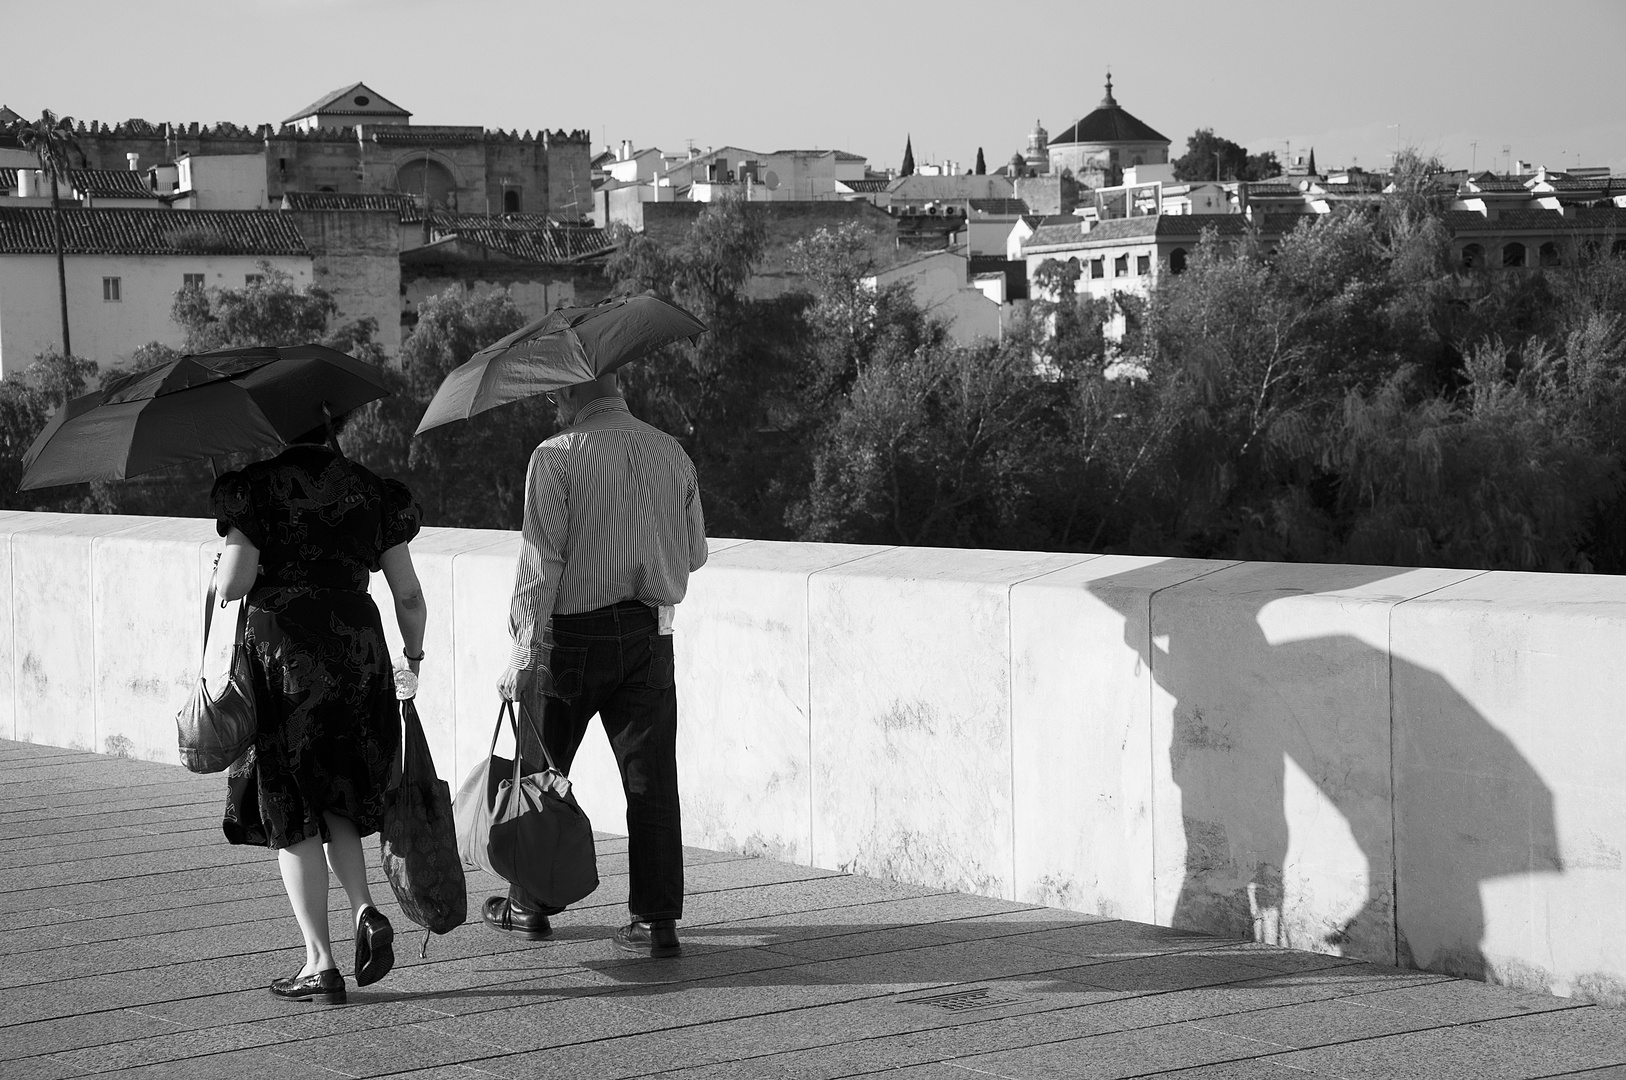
510	201
1473	257
1177	261
428	179
1513	254
1548	254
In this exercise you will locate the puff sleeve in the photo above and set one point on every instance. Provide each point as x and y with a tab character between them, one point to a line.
402	515
232	503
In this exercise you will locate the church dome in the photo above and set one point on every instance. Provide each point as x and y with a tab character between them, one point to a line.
1110	123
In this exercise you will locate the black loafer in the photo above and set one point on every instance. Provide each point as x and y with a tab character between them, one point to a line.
375	953
324	987
657	939
501	915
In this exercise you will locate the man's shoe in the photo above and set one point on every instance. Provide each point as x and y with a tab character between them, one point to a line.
657	939
375	953
501	915
324	987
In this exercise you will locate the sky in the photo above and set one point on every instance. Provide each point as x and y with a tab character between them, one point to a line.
1463	80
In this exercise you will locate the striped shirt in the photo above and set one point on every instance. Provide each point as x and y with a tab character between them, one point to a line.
612	513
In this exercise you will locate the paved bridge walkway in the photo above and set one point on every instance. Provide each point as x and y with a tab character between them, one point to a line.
134	941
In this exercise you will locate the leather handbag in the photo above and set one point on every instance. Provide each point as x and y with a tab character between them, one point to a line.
418	838
214	730
526	828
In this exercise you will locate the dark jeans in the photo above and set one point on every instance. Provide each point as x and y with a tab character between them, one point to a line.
611	662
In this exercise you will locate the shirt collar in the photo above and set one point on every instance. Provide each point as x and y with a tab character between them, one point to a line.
598	405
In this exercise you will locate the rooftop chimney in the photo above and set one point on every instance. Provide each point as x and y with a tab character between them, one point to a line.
134	160
626	150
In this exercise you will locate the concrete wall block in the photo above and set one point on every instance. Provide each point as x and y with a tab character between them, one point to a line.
12	725
744	728
909	659
54	662
147	639
1510	781
1081	732
1270	734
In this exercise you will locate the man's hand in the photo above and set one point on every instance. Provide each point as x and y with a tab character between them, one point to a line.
514	682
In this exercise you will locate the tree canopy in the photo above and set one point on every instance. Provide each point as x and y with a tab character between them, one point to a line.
1213	157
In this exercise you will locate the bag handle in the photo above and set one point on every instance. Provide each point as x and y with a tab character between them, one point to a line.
209	615
506	709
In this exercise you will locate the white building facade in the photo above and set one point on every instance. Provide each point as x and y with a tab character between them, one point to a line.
123	270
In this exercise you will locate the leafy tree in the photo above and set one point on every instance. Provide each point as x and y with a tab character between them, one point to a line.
471	473
52	141
982	166
908	167
27	402
1213	157
271	310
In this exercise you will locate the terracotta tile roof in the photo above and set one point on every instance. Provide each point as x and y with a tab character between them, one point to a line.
113	184
866	185
349	200
442	222
1163	226
27	231
1472	221
409	135
546	246
1493	185
8	179
1044	235
998	206
326	103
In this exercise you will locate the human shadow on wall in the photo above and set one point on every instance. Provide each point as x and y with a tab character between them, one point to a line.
1471	808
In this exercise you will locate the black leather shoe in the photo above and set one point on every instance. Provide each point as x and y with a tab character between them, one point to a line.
501	915
657	939
375	953
324	987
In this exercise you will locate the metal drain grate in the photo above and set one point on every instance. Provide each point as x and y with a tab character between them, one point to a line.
965	1000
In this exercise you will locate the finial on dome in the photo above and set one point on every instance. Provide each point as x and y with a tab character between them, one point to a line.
1108	100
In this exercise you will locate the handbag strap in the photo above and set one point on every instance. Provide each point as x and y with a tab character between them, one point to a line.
209	615
506	709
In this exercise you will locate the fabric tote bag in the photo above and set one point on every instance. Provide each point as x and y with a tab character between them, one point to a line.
418	837
214	730
526	829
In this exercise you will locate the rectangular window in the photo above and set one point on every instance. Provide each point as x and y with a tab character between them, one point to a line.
191	281
1120	266
111	293
1098	268
251	280
1143	265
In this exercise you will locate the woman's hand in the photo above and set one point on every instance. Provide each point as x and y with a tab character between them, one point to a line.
406	677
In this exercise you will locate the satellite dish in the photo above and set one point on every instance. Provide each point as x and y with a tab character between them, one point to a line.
770	180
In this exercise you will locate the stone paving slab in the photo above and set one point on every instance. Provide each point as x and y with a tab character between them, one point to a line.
134	942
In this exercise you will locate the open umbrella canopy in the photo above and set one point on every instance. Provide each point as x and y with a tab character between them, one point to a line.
194	408
562	348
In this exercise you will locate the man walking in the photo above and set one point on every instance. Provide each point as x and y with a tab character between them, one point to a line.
612	529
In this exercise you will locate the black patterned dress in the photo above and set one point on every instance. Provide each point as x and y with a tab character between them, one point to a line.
329	724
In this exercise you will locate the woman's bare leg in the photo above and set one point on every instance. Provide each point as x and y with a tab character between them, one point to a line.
304	875
349	862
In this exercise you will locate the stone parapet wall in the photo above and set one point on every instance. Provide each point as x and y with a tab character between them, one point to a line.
1414	766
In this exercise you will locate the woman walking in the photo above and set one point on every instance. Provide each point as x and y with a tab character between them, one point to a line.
303	532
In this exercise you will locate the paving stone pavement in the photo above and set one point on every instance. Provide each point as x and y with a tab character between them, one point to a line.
135	942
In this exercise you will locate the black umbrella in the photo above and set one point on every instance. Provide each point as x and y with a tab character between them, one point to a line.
563	348
197	407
